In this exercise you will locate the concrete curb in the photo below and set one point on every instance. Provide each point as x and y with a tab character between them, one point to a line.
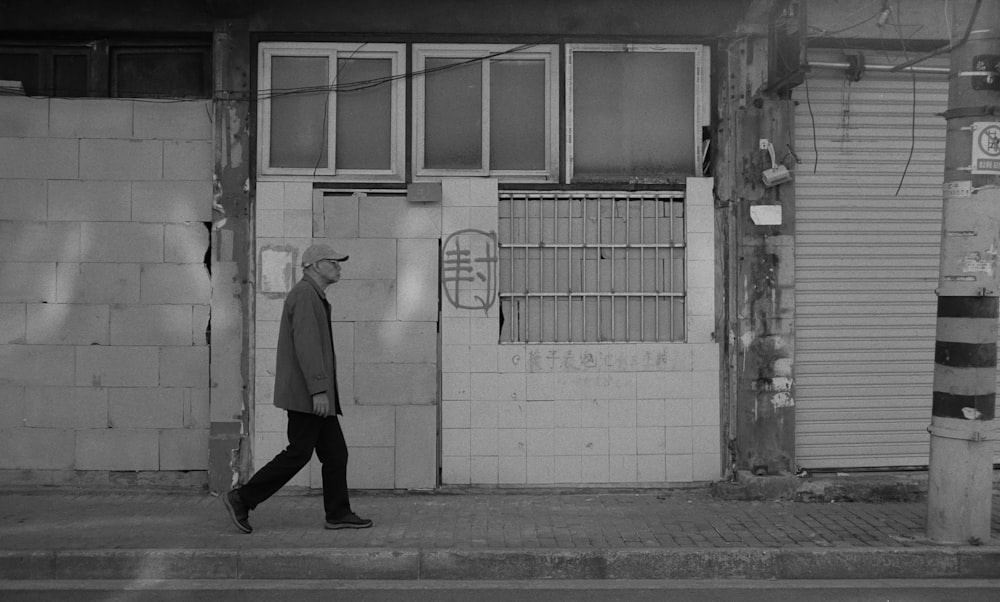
526	564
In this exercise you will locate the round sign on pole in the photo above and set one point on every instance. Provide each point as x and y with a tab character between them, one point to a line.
986	148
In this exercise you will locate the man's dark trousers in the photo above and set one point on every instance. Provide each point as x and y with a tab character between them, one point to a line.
306	432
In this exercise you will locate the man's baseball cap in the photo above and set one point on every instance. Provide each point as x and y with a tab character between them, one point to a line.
321	251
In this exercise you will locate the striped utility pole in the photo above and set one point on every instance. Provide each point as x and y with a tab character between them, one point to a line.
962	431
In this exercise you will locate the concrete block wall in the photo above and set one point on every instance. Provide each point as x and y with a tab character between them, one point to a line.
634	414
384	326
104	291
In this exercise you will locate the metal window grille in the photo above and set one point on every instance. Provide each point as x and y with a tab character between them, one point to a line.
592	266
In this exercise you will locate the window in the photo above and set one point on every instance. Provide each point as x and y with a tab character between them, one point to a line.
116	68
592	267
332	110
487	110
635	112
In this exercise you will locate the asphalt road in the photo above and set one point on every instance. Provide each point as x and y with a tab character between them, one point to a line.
507	591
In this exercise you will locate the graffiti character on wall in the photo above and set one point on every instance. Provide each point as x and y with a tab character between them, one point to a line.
468	269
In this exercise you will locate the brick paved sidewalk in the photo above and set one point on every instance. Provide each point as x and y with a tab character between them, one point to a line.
540	524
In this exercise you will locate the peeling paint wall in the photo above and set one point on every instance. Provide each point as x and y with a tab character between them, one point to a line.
104	291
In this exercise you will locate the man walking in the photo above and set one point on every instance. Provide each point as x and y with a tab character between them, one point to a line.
305	384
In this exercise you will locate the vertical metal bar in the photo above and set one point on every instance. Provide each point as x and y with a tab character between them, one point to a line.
524	268
569	269
541	267
642	270
628	237
670	271
583	265
600	253
656	269
611	288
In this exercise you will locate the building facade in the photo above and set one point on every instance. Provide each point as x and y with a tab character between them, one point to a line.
566	266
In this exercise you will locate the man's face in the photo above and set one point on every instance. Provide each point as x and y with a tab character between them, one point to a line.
329	269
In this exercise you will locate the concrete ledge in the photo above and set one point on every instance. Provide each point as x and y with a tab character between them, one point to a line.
851	488
924	562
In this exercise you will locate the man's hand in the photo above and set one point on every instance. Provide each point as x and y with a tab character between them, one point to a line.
321	404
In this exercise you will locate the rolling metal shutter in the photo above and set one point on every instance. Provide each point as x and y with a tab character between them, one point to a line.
866	263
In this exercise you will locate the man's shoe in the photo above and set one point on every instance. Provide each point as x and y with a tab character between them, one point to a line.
348	521
237	511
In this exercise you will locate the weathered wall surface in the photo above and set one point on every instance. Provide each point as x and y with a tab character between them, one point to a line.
384	326
104	290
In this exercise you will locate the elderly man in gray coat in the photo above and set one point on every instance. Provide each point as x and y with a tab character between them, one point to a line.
305	384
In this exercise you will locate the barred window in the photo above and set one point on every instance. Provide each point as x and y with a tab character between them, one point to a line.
592	266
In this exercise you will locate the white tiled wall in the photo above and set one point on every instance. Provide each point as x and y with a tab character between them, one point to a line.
104	294
539	414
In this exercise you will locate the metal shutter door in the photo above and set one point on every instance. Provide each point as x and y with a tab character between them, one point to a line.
866	265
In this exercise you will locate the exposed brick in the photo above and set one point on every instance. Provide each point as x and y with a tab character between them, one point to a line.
66	407
101	366
13	323
187	160
36	448
369	426
146	407
39	158
187	120
121	242
39	241
181	283
37	365
24	117
396	342
117	449
97	283
151	325
67	324
121	159
184	367
371	468
27	282
90	118
395	217
23	200
184	449
416	447
395	384
90	201
172	201
361	300
185	243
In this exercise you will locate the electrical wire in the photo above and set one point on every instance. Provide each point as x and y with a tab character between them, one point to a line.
913	107
812	117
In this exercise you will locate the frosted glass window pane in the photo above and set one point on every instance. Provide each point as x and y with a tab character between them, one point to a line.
298	138
517	115
453	119
633	113
364	116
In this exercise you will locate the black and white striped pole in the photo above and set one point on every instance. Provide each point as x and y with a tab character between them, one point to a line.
963	435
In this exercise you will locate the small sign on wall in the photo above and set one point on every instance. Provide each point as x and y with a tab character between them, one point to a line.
986	148
766	215
277	269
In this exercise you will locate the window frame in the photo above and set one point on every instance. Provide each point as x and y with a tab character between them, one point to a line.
396	53
702	93
549	53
